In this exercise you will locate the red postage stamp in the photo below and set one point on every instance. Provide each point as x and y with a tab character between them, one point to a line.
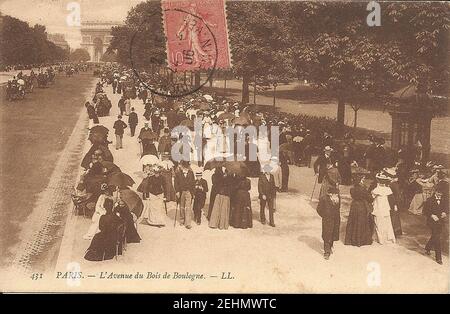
196	35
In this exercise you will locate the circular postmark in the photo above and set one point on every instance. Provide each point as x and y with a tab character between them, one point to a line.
168	68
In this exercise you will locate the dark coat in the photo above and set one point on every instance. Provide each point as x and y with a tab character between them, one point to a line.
133	118
130	230
184	183
359	225
320	166
431	207
331	219
266	187
103	245
152	184
201	188
241	211
216	179
119	126
165	144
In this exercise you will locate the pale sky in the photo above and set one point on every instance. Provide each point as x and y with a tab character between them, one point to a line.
53	13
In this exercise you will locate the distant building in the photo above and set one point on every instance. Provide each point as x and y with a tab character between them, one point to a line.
59	40
96	36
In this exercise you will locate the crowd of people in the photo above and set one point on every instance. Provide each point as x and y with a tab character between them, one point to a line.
384	184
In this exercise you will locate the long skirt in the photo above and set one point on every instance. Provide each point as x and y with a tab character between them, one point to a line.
359	225
220	214
169	191
396	223
416	205
154	207
384	230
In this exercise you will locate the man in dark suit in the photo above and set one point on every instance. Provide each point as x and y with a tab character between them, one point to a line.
119	126
132	121
201	188
435	209
320	165
184	185
267	193
329	209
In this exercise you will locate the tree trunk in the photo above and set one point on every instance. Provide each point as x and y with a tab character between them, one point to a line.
254	92
274	93
211	81
225	85
341	112
245	91
355	118
197	79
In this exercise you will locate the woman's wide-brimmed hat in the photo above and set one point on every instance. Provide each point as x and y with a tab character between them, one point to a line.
327	149
391	172
381	176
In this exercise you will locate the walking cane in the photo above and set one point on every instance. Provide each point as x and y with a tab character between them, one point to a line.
314	188
165	206
176	211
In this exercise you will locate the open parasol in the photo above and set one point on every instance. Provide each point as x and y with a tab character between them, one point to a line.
120	179
213	163
133	201
99	129
237	167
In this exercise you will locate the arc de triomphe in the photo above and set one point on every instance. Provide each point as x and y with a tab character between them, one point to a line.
96	36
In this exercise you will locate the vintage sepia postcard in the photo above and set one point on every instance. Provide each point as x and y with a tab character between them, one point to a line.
218	146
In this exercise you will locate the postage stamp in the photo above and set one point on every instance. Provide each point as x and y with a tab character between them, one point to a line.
196	35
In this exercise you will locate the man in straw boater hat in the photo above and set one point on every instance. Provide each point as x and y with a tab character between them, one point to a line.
436	209
201	188
329	209
184	188
320	165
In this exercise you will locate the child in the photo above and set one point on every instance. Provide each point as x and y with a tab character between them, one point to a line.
201	188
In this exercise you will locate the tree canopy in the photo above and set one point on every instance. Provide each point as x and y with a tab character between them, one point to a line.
79	55
329	44
22	44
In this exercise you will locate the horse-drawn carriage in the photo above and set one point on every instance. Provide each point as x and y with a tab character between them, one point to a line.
15	91
29	83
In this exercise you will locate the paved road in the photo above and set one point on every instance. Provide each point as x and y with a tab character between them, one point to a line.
33	132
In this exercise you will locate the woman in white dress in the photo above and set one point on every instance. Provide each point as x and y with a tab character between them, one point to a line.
152	189
99	211
381	210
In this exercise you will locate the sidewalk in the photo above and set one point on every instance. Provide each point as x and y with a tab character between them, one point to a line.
287	258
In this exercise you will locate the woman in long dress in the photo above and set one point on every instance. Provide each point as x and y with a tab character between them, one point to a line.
99	211
216	179
167	175
242	208
152	189
382	210
422	190
359	225
124	213
103	245
220	214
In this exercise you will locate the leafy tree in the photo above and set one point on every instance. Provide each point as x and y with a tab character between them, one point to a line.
260	42
80	54
22	44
